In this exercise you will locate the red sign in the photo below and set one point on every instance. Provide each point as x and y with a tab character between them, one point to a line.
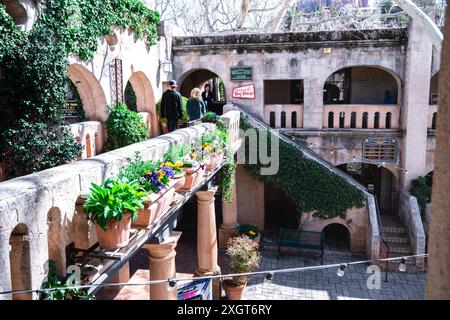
244	92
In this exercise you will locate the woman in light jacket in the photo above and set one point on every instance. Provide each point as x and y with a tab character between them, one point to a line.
195	106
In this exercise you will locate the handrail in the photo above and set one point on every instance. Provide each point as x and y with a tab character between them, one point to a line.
311	154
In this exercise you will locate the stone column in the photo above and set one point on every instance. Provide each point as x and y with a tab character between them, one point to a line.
313	104
416	103
207	251
162	267
438	279
122	276
5	279
229	219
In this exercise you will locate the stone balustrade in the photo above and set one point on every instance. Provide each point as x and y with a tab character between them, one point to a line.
91	135
361	116
44	208
284	115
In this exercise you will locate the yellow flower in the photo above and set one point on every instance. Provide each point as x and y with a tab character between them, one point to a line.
169	164
179	164
252	233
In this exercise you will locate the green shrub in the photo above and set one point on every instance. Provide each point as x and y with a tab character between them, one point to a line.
124	127
243	257
111	200
183	120
422	191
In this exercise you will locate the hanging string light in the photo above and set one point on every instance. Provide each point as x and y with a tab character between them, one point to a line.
402	265
269	277
341	271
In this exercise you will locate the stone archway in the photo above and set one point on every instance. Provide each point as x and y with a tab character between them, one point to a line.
90	91
145	98
20	264
337	237
23	12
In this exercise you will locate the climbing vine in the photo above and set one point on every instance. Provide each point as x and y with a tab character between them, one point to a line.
33	74
421	189
309	185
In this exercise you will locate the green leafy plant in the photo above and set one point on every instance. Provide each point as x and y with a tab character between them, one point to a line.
227	179
312	187
211	117
243	256
422	191
183	120
247	230
111	200
124	127
62	287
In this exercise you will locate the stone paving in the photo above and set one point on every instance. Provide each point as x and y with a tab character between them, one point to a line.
326	285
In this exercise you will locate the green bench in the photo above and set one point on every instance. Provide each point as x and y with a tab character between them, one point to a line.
301	239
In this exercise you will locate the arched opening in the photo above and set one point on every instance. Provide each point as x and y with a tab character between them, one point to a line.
74	111
280	211
283	119
272	119
434	121
90	91
15	9
376	120
294	119
353	120
216	98
376	178
365	120
434	89
341	119
337	237
139	96
330	119
361	85
388	120
55	241
19	259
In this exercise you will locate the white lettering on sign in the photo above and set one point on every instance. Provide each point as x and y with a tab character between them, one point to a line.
244	92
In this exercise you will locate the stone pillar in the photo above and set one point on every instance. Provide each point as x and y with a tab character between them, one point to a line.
438	279
5	279
416	103
313	104
162	267
229	219
122	276
207	251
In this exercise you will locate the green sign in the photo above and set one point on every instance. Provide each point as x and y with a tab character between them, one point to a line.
241	74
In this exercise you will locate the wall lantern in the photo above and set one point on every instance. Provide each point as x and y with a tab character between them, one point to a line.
167	66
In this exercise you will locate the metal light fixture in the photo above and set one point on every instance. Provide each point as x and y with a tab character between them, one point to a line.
341	271
268	278
167	66
172	284
402	265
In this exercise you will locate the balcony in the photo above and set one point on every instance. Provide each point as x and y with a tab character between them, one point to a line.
284	115
361	116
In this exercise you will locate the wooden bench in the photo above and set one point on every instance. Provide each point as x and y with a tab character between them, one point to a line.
301	239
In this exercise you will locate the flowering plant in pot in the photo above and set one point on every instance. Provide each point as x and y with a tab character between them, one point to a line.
112	206
243	257
249	231
154	178
214	144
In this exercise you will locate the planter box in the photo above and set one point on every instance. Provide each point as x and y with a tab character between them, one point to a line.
179	181
156	205
193	177
214	161
117	234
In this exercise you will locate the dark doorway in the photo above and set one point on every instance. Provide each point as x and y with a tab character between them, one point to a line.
280	211
337	237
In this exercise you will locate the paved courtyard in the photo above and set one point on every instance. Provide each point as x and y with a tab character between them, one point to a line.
326	285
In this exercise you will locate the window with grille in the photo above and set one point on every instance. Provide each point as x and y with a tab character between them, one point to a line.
380	149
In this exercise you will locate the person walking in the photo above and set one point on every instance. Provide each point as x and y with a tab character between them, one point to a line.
171	106
208	97
195	106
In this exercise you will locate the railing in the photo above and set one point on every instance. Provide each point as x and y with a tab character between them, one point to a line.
284	115
361	116
382	237
375	223
90	134
432	116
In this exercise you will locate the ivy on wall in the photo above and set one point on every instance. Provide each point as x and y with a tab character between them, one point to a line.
312	187
421	189
33	74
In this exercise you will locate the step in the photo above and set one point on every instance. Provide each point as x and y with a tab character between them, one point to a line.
394	229
403	248
394	237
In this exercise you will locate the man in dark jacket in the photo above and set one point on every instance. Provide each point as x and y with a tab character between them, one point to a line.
171	106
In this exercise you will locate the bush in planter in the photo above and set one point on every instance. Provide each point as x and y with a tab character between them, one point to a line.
210	117
124	127
247	230
183	120
111	200
243	257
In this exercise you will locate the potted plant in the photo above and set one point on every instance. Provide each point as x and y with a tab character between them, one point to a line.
249	231
214	144
112	206
173	158
243	257
154	178
193	169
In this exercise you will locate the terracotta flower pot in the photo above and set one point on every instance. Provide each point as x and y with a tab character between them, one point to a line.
234	293
179	180
117	234
193	177
214	161
155	206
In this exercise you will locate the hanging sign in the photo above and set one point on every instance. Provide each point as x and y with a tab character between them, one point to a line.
380	149
241	74
244	92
